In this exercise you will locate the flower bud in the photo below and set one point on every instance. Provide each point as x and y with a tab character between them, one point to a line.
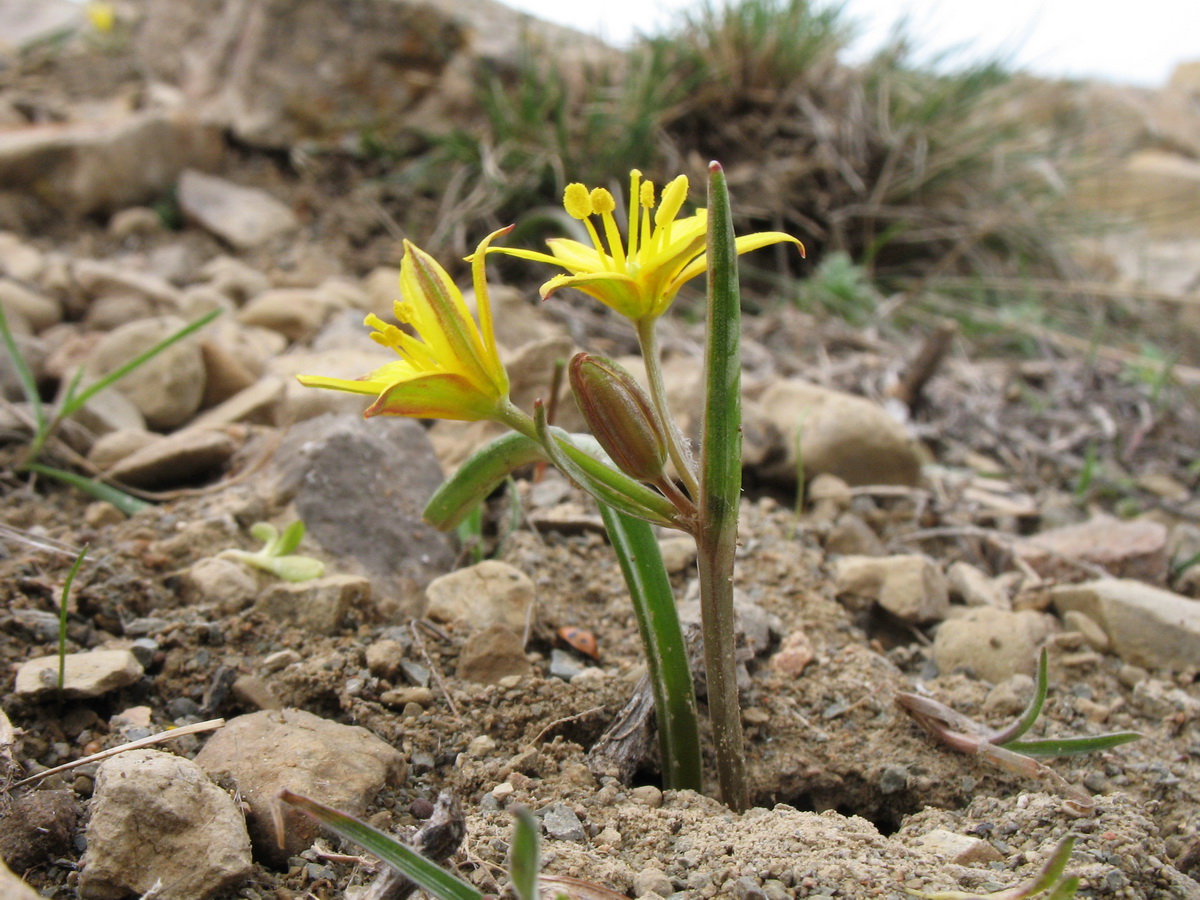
620	416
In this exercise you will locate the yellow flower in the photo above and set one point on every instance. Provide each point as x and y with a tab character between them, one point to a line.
641	277
453	371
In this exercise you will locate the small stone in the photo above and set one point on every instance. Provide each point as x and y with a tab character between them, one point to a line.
244	217
280	660
385	657
134	221
1010	696
101	514
1093	634
909	586
400	697
647	795
39	311
181	458
492	654
561	823
851	536
228	586
111	448
296	313
318	605
795	653
677	553
90	674
489	593
564	665
960	849
200	845
651	880
252	691
1135	549
994	644
974	587
36	827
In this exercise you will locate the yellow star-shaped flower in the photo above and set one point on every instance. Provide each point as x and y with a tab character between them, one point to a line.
640	277
453	371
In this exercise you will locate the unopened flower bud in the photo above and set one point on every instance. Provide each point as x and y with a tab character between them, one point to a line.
620	416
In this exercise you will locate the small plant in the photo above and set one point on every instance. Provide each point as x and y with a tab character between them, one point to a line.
839	287
276	554
1051	882
1003	747
44	425
636	462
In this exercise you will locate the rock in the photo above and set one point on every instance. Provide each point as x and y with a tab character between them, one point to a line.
149	799
12	887
360	487
678	553
652	881
88	167
168	388
795	653
1010	697
300	402
296	313
194	454
108	411
258	404
243	217
97	279
1133	549
37	309
909	586
110	313
135	222
851	536
252	691
225	374
318	605
959	849
36	827
234	278
344	766
1147	626
385	657
494	653
561	823
18	260
86	675
840	434
111	448
227	586
488	593
828	495
1093	634
994	644
974	588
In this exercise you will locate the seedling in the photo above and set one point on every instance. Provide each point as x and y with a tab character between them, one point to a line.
1049	881
74	398
276	554
1003	748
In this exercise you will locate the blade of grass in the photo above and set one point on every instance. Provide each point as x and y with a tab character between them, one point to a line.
525	862
118	498
24	375
430	876
62	618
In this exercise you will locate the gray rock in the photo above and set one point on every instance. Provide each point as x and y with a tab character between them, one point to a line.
100	166
485	594
344	766
1093	634
85	675
149	799
319	605
960	849
244	217
492	654
181	458
1147	626
561	823
994	644
350	479
841	434
168	388
909	586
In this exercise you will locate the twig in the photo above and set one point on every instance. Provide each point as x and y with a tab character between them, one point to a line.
434	670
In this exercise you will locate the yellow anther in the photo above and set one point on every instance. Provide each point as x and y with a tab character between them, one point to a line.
647	194
577	201
602	201
672	200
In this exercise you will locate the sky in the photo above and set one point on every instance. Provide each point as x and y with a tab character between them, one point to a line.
1131	42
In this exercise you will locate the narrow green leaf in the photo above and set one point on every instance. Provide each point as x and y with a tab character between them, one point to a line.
1032	711
666	651
24	374
290	539
525	864
62	616
476	478
1072	746
428	875
73	404
118	498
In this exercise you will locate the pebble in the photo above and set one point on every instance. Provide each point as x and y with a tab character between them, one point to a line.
344	766
319	605
485	594
227	586
1126	549
493	654
182	458
651	880
280	660
993	644
561	823
909	586
564	665
85	675
1093	634
243	217
296	313
38	310
385	657
36	827
1010	696
200	844
974	587
795	653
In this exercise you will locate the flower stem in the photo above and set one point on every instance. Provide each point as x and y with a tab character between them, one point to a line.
676	445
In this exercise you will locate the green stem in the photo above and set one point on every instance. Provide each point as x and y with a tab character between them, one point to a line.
720	493
666	652
676	445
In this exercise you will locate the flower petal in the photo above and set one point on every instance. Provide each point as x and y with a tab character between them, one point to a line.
443	395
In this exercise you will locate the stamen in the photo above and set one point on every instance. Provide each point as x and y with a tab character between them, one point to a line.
577	201
635	178
647	198
603	204
673	196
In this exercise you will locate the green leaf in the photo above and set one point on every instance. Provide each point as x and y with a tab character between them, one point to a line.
1032	711
428	875
24	374
667	664
290	539
124	502
476	478
525	861
1072	746
62	616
